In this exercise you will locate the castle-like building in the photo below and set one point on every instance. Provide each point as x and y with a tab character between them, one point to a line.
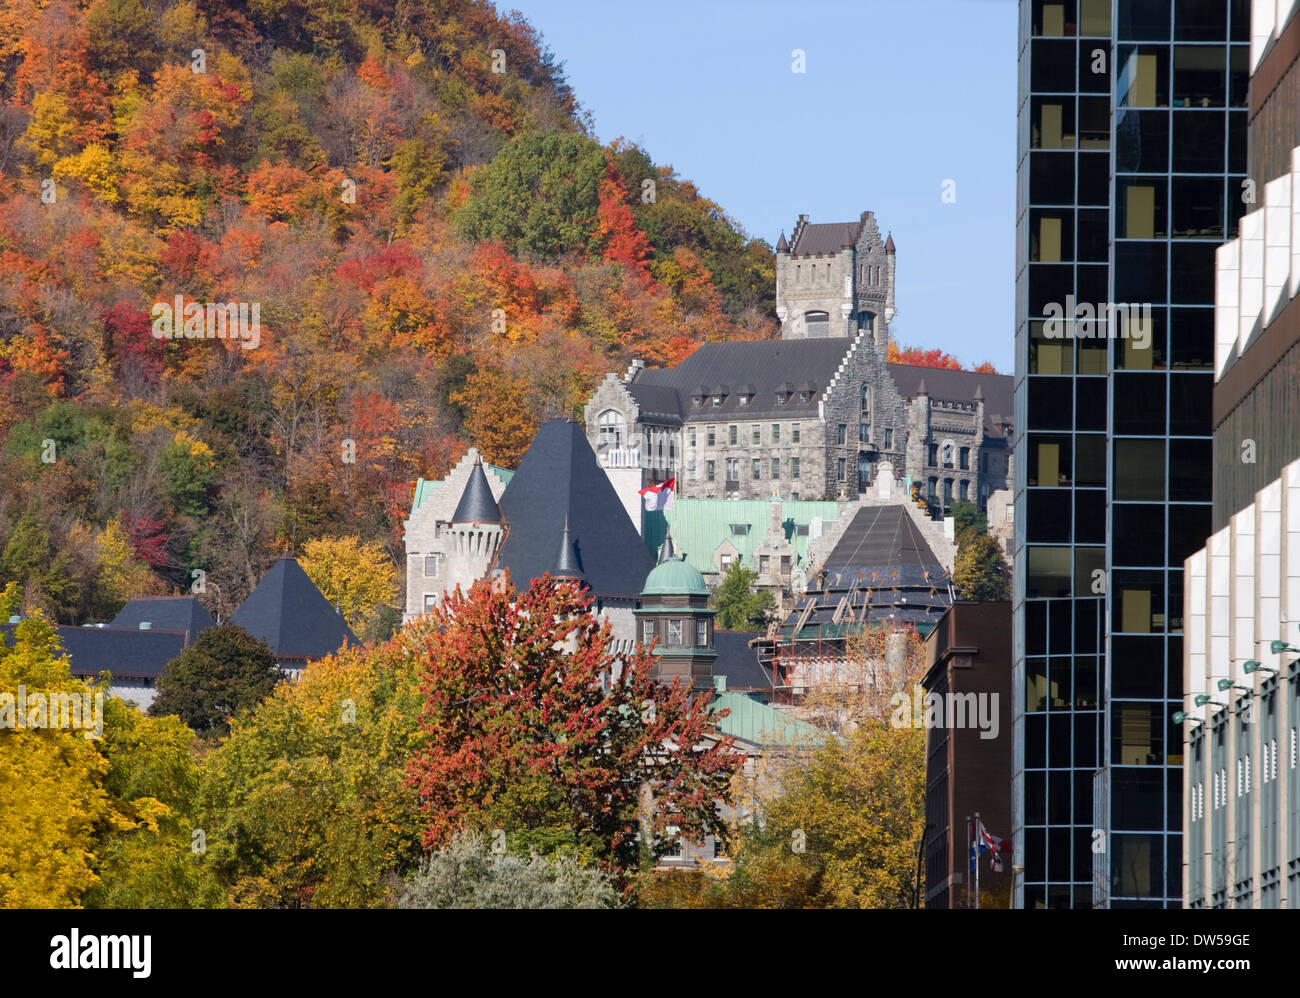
817	413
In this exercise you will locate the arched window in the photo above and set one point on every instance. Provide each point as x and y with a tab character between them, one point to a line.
816	325
611	428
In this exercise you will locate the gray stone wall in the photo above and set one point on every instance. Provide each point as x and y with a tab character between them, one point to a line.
694	481
843	405
854	286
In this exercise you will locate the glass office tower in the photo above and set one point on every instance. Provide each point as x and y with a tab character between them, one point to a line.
1131	161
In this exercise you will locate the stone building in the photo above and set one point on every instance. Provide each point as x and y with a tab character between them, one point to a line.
557	514
815	414
835	279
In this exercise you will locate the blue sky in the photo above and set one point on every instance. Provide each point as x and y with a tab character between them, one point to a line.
898	96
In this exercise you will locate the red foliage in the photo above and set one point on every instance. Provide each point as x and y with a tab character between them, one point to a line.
506	704
147	537
130	341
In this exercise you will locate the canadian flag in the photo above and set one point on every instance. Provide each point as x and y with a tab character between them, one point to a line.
660	496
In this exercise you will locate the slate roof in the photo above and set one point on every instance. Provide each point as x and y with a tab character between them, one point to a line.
288	612
558	477
764	364
165	613
126	653
425	488
960	386
476	503
659	403
884	567
825	237
739	662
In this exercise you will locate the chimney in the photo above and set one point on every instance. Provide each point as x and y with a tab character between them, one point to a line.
146	625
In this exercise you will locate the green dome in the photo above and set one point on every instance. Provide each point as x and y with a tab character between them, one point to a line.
674	578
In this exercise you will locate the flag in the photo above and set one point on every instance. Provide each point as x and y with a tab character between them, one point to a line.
984	840
660	496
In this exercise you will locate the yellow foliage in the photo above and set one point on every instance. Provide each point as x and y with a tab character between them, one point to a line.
358	578
93	169
50	130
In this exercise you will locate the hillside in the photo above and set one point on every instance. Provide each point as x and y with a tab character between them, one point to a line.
407	198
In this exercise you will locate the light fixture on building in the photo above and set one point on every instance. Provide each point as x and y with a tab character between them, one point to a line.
1277	647
1228	684
1203	698
1251	665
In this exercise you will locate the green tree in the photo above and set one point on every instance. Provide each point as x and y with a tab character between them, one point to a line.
979	571
966	516
739	607
539	195
468	874
225	671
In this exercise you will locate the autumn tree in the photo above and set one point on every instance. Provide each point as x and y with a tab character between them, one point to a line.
357	578
224	671
535	728
980	570
306	803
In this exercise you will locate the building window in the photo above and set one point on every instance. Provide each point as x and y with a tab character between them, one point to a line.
866	397
717	401
776	467
776	433
764	564
430	602
803	396
780	398
964	459
708	471
933	459
948	455
794	467
947	491
964	490
742	400
841	433
430	565
702	634
692	472
739	529
801	529
864	432
889	439
690	437
933	485
785	564
674	633
757	435
733	469
794	433
647	631
731	435
756	471
611	428
695	401
725	561
709	436
839	470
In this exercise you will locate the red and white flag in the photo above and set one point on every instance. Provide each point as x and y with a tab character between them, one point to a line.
659	496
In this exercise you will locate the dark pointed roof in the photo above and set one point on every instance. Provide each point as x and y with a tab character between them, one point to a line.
979	393
826	237
921	389
667	550
476	503
288	612
889	245
781	245
165	613
559	478
567	563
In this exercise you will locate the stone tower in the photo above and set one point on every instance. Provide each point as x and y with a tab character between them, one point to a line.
474	533
675	614
835	279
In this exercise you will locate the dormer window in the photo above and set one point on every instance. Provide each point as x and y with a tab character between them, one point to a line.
717	401
743	400
803	396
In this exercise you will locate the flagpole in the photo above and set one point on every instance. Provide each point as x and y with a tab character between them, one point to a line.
977	861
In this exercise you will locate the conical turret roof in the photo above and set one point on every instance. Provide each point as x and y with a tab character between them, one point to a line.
476	503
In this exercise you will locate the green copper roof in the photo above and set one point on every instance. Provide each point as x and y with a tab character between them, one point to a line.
425	487
699	526
675	577
762	724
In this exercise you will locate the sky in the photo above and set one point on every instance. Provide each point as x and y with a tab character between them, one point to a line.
898	97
